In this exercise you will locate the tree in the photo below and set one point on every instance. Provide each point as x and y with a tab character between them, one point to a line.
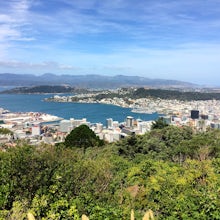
128	147
5	131
159	123
82	137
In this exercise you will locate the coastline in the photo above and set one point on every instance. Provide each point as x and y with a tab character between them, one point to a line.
94	112
120	102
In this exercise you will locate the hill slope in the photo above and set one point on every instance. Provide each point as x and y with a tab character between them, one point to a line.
87	81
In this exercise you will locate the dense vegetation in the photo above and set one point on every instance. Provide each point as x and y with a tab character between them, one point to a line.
173	171
123	93
83	137
174	94
44	89
162	94
5	131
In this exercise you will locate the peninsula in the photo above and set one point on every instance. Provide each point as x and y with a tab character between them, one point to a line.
146	100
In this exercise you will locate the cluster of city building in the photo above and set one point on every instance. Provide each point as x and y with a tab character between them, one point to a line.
38	127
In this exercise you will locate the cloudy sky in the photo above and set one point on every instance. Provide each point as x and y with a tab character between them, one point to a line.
168	39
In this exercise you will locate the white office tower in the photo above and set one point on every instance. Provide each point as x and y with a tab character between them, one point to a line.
129	121
109	122
100	135
36	129
109	137
84	121
72	122
143	127
138	122
115	124
99	127
65	126
78	122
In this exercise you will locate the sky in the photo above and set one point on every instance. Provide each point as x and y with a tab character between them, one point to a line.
166	39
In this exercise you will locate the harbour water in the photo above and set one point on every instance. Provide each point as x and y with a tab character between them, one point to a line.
93	112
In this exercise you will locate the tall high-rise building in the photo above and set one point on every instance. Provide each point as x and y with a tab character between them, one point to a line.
115	124
195	114
204	117
99	127
109	123
36	129
129	121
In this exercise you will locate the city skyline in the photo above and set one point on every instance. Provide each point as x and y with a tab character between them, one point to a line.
155	39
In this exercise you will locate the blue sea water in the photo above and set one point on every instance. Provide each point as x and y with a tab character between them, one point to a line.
93	112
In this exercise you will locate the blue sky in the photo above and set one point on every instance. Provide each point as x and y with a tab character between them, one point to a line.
168	39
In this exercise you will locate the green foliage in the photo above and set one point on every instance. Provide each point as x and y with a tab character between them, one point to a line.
83	137
41	89
171	170
5	131
174	94
28	171
159	123
179	191
155	94
106	212
164	143
19	210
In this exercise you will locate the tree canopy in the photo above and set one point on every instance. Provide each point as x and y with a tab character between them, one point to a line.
159	123
5	131
83	137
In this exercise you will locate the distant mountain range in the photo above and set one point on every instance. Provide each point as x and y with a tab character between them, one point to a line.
88	81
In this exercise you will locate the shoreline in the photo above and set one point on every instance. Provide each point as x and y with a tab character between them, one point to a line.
120	102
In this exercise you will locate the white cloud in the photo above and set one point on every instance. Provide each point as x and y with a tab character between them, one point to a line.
13	20
14	23
140	21
141	37
40	66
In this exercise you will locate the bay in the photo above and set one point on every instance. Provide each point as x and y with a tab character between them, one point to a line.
94	113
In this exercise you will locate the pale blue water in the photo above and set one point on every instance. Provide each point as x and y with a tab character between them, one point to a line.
93	112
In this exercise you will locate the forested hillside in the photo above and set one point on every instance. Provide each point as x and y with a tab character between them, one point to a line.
172	171
174	94
43	89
